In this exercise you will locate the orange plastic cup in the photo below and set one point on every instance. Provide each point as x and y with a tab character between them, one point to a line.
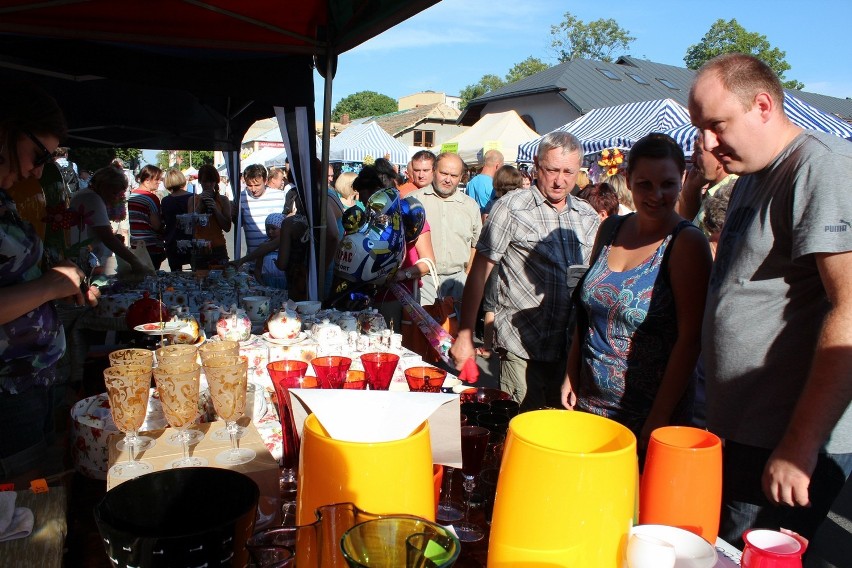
682	482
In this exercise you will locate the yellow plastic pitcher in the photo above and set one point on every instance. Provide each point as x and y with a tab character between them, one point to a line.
382	477
566	492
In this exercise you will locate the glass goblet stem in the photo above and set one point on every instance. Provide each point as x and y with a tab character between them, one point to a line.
468	485
130	440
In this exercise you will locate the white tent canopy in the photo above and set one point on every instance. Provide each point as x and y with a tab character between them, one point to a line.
279	159
260	156
362	140
504	131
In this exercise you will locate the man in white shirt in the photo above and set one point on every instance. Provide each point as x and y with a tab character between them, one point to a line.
257	201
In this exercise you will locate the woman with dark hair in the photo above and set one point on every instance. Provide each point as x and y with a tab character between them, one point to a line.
641	303
145	213
31	335
219	208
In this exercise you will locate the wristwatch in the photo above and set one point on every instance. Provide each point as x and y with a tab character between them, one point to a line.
409	275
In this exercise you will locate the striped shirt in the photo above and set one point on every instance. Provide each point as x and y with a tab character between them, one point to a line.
139	208
535	245
254	213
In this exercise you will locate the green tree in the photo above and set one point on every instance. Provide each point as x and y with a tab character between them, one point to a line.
93	159
486	83
529	66
729	37
185	159
363	104
600	39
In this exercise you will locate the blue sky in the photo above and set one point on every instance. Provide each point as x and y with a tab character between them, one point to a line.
455	42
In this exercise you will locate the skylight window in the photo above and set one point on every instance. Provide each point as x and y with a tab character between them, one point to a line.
668	84
638	79
609	74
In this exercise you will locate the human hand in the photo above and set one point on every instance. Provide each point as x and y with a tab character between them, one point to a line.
64	280
569	397
93	294
787	475
462	350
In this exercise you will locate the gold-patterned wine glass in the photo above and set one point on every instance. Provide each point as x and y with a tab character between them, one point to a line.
228	380
218	349
178	386
127	388
180	353
145	358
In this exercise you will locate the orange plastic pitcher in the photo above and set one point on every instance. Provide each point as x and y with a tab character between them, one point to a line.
682	482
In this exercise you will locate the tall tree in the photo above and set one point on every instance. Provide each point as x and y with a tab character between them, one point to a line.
486	83
600	39
529	66
730	36
185	159
90	158
362	104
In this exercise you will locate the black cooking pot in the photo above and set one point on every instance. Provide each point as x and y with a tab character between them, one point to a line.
181	517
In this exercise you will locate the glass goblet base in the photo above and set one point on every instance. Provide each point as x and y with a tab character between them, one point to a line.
188	462
129	469
468	532
449	512
193	437
141	444
235	456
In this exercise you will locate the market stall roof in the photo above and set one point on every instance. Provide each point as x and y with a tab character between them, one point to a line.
618	126
180	74
800	113
505	131
368	139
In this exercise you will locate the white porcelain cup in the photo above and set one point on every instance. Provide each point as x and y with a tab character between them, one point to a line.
645	551
257	307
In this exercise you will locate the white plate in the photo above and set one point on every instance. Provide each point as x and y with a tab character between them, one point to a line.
163	328
301	337
691	550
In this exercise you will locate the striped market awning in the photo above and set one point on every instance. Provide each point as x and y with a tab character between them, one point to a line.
617	127
362	140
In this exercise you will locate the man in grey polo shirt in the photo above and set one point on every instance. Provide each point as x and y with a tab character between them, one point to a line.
456	223
535	235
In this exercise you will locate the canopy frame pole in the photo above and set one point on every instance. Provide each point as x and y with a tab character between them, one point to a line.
323	174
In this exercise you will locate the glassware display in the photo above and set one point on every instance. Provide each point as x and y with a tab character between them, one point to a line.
127	388
144	357
331	370
173	354
178	386
228	380
218	349
425	379
474	442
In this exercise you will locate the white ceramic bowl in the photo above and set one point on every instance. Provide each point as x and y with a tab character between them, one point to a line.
308	307
691	551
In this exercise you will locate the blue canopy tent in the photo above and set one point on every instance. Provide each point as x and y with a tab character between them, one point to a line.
617	127
800	113
368	139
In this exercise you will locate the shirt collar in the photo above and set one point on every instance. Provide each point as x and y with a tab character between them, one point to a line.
541	201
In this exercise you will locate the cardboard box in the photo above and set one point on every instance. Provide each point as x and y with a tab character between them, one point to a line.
263	469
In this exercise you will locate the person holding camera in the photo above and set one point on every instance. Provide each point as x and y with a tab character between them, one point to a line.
210	202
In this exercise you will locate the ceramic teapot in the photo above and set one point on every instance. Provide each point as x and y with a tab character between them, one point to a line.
285	323
234	325
146	310
190	331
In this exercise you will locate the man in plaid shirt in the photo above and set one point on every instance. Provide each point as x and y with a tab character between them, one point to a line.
536	236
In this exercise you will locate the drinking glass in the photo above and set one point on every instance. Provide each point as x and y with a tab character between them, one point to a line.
355	380
127	388
448	510
173	354
178	386
474	441
331	370
399	541
425	379
179	365
145	358
217	349
379	368
228	380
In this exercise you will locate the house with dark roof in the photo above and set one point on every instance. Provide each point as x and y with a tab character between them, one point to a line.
426	126
558	95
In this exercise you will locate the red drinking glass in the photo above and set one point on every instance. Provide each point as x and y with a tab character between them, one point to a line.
355	380
331	371
425	379
285	375
379	368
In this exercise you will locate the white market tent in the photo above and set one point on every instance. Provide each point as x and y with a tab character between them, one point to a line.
259	157
799	112
279	159
618	126
504	131
369	139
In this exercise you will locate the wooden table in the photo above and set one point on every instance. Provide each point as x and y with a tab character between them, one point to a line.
43	547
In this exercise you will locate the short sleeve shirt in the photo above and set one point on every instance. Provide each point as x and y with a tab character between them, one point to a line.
254	213
89	210
535	245
456	224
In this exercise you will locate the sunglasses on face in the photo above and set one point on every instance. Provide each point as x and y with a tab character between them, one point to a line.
44	155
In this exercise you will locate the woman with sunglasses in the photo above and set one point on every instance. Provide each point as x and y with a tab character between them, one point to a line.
31	336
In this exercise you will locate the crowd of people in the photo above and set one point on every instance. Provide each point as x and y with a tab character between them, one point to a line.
714	295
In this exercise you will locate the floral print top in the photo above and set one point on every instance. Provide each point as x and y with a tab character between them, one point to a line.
30	345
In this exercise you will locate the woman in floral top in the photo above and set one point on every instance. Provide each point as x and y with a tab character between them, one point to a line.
31	336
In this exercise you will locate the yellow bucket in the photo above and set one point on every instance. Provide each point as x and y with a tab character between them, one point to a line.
383	477
566	492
